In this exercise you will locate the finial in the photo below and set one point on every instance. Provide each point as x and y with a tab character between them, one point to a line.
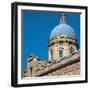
63	19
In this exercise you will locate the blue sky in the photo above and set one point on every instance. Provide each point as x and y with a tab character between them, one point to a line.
36	29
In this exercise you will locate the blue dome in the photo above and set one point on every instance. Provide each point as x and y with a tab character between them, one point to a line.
62	29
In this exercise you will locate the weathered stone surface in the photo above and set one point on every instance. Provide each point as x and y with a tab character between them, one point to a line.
68	66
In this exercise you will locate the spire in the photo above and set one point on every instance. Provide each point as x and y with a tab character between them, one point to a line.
63	19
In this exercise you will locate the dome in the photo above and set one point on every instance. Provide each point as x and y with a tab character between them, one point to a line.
62	29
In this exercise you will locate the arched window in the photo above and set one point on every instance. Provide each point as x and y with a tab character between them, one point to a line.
51	51
60	53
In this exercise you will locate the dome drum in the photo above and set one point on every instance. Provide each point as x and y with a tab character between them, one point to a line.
62	39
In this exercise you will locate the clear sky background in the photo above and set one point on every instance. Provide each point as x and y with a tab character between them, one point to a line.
36	29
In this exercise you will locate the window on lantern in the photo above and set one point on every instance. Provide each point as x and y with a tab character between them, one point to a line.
51	51
60	53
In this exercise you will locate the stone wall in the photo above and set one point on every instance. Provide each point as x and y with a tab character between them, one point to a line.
73	69
66	66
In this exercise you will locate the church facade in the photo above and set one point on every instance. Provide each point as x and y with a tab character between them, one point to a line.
63	54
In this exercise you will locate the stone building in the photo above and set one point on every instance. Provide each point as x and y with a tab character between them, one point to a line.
63	54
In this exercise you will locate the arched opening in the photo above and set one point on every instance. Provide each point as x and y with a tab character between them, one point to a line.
60	53
51	51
